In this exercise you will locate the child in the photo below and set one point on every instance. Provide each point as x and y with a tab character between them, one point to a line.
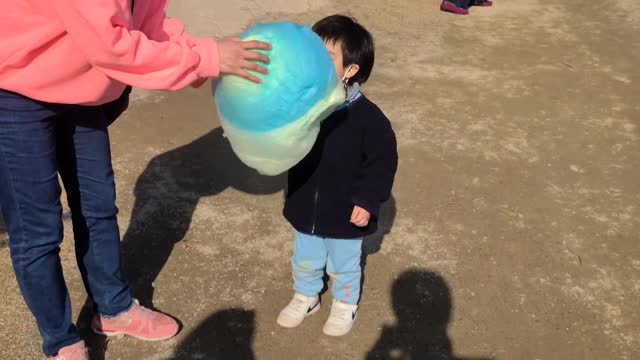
334	194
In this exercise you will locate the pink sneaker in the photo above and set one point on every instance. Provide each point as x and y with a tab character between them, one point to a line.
77	351
139	322
486	3
449	7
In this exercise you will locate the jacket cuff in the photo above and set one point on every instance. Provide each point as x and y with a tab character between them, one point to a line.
373	207
209	58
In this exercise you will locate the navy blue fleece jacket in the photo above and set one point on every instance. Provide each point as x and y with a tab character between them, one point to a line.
353	163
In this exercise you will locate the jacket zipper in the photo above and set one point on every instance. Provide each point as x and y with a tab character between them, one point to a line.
315	212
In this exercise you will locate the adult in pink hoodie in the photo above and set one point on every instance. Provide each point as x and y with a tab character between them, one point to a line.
64	64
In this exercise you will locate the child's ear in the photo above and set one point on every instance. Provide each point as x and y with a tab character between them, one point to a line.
353	70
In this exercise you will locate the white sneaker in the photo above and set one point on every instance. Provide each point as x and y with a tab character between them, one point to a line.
300	307
341	319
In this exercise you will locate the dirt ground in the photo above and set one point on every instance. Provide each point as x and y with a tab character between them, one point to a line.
514	228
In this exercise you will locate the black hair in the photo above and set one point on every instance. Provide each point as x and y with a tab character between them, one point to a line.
357	43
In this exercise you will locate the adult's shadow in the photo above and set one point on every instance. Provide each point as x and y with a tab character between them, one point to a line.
422	304
166	195
225	335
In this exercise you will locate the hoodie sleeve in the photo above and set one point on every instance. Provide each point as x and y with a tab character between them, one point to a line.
380	162
152	20
159	56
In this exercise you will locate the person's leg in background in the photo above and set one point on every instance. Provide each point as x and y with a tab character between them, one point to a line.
481	3
30	197
459	7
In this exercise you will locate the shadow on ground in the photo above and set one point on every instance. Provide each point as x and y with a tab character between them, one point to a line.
373	244
422	304
4	239
166	196
225	335
228	334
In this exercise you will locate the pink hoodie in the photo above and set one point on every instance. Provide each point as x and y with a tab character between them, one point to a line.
85	51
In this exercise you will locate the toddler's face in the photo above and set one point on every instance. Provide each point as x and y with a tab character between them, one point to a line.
335	50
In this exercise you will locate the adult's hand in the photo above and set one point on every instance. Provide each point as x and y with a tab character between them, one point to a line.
237	56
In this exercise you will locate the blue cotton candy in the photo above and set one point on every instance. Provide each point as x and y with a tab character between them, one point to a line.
273	125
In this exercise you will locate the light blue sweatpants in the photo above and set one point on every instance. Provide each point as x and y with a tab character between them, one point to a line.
341	257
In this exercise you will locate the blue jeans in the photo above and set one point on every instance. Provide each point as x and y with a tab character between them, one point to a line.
38	142
341	257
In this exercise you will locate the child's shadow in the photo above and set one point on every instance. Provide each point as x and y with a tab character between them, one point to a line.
372	243
422	304
166	196
225	335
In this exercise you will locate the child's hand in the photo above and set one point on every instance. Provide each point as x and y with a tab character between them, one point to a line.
360	217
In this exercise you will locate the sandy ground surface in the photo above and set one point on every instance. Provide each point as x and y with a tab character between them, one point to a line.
514	228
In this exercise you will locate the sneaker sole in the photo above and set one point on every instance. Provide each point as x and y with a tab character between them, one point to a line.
343	333
290	326
117	334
